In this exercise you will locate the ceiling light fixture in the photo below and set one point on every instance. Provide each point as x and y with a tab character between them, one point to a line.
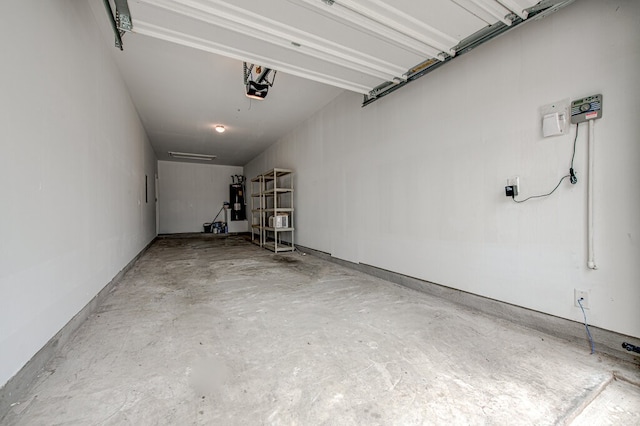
191	156
220	128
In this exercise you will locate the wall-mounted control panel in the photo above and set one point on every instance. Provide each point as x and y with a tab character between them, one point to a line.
585	109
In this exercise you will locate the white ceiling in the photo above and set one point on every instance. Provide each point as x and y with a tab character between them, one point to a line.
182	62
182	93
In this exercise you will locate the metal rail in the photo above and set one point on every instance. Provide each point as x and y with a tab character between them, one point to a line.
542	9
120	21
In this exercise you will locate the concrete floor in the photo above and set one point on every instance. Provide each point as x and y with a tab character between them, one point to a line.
213	331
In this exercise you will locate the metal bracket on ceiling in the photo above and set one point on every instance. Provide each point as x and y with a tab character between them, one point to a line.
123	16
540	10
262	76
120	21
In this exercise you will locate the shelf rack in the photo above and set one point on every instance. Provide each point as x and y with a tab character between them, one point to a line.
257	209
272	195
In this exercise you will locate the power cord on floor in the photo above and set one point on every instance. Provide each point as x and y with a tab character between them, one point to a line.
593	346
572	176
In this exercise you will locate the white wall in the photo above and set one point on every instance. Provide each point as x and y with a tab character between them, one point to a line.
414	183
191	194
73	165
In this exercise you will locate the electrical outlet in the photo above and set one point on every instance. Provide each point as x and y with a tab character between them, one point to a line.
514	181
583	296
513	187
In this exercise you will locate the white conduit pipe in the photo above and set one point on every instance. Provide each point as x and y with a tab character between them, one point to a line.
591	264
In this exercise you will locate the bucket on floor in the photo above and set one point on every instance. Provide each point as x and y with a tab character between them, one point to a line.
208	227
